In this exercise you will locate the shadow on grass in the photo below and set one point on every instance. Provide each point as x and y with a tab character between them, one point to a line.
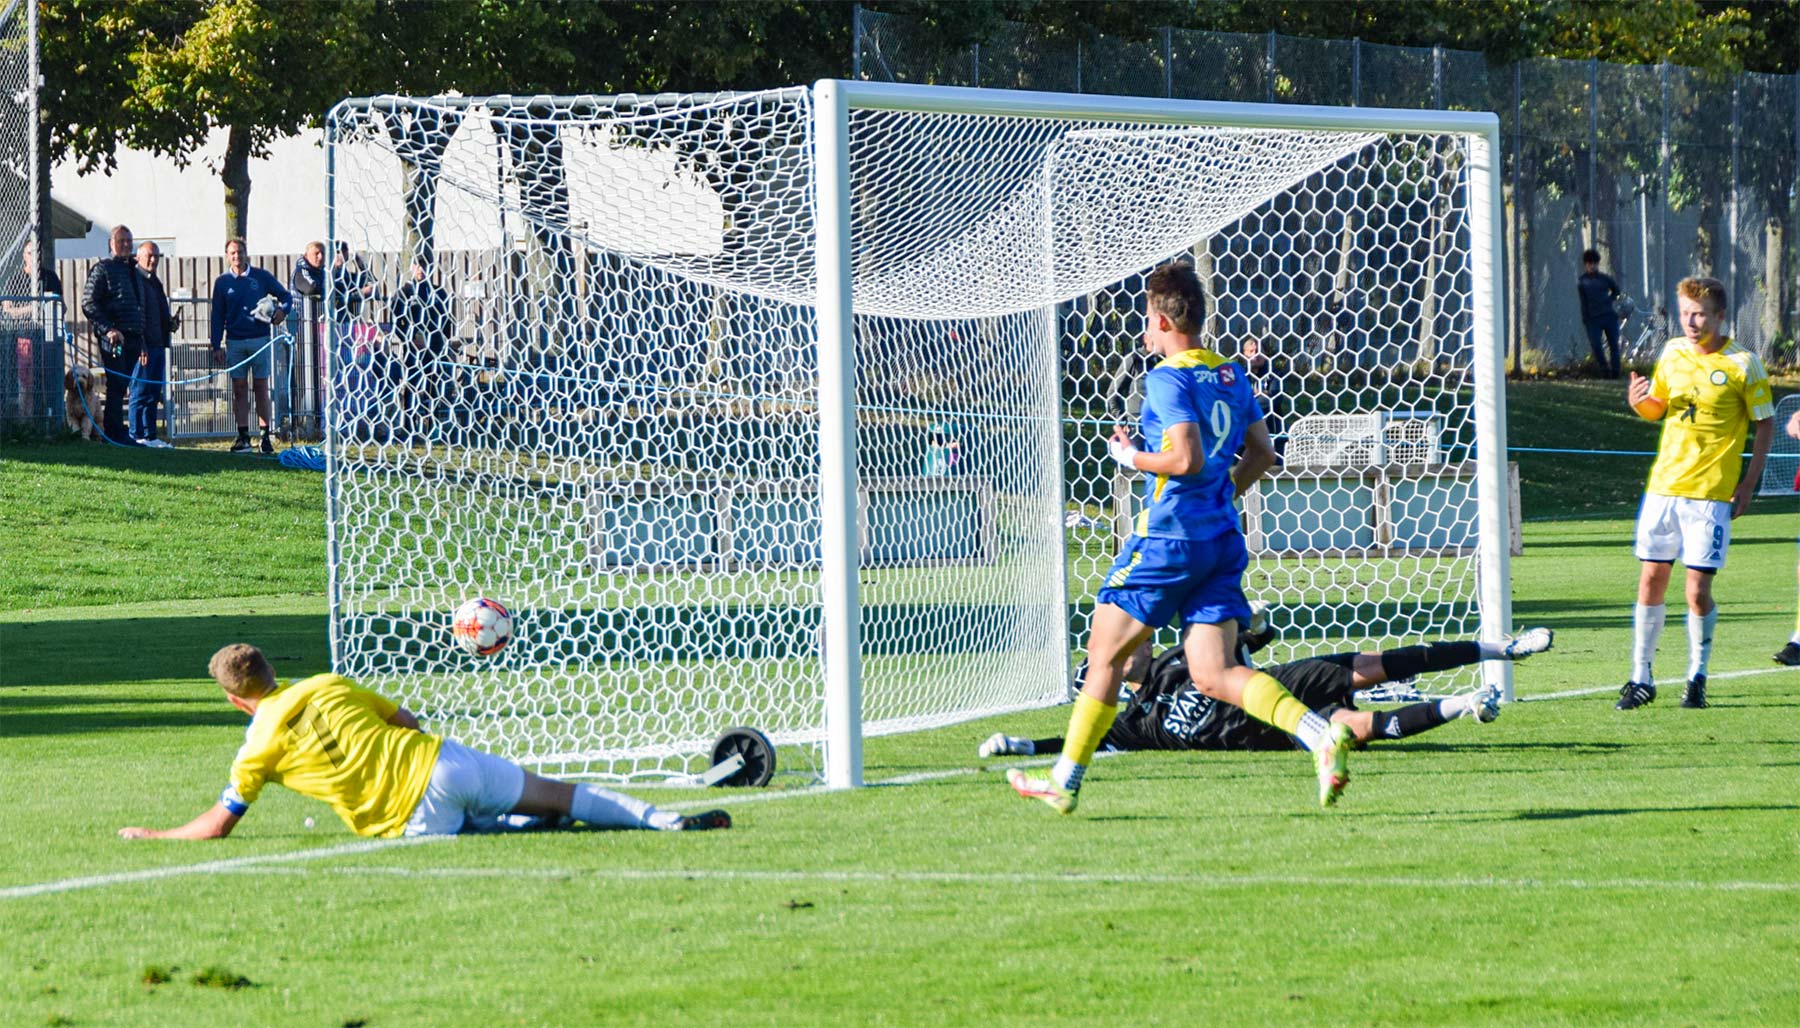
178	462
1566	813
14	725
115	652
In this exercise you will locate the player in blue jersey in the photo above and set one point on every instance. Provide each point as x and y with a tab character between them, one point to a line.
1186	556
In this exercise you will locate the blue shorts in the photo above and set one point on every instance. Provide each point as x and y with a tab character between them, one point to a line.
1202	581
253	351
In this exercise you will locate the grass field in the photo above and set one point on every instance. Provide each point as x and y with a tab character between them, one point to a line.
1566	865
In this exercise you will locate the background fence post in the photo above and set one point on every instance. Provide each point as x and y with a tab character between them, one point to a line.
1356	72
1269	69
1593	152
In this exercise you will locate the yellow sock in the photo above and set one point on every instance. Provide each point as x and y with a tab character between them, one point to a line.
1087	726
1267	700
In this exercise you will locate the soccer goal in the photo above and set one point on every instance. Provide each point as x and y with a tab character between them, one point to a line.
782	409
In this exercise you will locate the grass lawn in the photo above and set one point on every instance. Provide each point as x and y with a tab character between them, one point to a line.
1567	864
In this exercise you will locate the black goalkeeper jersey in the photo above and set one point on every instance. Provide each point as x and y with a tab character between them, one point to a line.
1168	713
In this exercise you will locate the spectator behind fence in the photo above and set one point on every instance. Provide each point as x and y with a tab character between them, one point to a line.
1267	384
29	280
1598	316
352	344
308	287
351	286
246	303
422	328
114	305
152	369
31	324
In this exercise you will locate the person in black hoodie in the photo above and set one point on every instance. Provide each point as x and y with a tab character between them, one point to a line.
113	301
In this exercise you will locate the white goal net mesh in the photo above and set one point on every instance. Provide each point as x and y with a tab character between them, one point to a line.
586	386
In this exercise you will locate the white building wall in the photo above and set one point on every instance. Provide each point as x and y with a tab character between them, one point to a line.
183	210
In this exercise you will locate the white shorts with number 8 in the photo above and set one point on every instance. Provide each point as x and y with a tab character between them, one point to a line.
1698	532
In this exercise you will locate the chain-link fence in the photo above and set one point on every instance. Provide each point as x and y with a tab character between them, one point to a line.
1666	171
31	368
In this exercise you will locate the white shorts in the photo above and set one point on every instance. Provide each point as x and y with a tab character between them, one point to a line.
1698	532
465	784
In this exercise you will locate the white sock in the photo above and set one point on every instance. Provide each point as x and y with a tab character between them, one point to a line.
1313	730
1700	637
605	809
1067	774
1795	638
1453	707
1647	624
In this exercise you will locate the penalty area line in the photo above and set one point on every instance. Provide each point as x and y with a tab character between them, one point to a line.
1215	881
229	865
1596	690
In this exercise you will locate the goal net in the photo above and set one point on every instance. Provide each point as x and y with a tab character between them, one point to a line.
644	367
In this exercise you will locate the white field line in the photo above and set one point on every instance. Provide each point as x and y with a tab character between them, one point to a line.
1206	881
1720	677
263	863
260	863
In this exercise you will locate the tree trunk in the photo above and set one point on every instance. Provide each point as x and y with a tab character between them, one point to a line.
1706	236
421	136
235	174
1773	283
537	166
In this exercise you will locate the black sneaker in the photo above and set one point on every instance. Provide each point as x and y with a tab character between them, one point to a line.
267	446
1634	695
1789	655
1694	696
242	445
703	822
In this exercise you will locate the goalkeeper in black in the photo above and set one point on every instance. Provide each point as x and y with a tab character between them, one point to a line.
1164	711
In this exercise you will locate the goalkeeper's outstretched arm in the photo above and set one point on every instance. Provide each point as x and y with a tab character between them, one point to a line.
216	823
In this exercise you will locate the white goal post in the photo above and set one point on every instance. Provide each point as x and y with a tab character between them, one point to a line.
779	409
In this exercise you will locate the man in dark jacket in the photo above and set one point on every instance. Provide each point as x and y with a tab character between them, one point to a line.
113	302
1598	316
422	324
153	366
242	336
308	287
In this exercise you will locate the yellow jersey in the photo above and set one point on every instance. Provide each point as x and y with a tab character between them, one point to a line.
326	738
1712	398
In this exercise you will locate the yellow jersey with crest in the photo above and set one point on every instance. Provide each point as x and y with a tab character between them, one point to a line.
326	738
1712	398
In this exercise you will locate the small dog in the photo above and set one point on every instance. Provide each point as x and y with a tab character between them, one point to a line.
80	384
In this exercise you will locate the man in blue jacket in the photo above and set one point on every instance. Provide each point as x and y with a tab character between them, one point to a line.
246	303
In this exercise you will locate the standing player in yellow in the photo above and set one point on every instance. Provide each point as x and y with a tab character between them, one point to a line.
363	754
1186	556
1706	390
1790	653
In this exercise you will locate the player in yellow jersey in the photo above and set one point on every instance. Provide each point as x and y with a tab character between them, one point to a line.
326	738
1790	653
1707	391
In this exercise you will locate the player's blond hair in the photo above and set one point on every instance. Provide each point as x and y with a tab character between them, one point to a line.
1174	292
243	671
1703	290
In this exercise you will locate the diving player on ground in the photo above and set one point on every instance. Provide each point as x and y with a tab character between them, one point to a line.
1167	713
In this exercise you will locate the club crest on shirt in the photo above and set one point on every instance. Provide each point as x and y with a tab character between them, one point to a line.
1717	377
1228	374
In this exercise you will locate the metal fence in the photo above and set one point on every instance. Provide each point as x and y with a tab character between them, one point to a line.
1666	171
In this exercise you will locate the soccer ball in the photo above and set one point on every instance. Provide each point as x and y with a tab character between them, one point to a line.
482	626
